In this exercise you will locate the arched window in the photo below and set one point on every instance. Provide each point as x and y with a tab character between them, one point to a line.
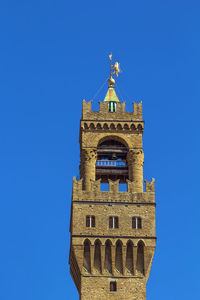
97	256
129	257
118	257
87	257
140	257
108	257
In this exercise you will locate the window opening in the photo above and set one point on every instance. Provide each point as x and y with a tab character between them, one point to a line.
113	222
122	187
112	106
90	221
136	223
104	187
111	161
113	286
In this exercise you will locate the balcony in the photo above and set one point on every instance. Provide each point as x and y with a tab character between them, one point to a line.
111	169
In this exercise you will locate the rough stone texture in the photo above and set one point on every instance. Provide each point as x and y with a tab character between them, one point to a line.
127	288
101	254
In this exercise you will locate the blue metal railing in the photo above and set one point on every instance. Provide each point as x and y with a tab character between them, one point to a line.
111	163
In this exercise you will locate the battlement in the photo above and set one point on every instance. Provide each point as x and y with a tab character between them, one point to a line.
113	195
104	114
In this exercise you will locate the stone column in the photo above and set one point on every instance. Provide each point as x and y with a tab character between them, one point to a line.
135	160
88	167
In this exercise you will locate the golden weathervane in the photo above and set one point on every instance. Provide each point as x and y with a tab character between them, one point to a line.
114	70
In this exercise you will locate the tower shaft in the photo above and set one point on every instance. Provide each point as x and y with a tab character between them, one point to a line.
112	231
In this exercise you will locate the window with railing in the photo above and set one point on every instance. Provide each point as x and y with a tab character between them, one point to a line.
111	163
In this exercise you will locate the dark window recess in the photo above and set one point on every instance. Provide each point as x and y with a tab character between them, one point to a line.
113	222
113	286
90	221
136	223
112	106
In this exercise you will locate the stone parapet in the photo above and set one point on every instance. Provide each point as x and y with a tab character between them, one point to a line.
103	114
113	195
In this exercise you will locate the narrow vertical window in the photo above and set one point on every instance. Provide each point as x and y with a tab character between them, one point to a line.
113	286
112	106
136	223
116	222
90	221
113	222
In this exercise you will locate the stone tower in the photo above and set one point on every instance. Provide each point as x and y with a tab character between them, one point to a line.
112	232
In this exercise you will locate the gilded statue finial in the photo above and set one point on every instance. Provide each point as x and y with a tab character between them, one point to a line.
114	70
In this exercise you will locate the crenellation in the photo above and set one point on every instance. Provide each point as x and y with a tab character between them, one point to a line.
104	114
113	195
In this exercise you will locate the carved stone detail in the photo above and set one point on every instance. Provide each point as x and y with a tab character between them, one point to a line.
135	157
88	154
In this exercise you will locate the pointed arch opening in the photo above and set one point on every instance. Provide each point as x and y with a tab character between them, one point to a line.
118	257
108	257
129	257
87	256
97	256
140	257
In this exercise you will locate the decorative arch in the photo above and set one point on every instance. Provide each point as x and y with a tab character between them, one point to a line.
139	127
97	255
119	126
92	126
99	126
112	126
105	126
108	257
86	126
126	127
87	255
140	257
133	127
115	138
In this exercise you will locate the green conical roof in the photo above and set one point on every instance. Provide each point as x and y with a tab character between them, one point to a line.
111	95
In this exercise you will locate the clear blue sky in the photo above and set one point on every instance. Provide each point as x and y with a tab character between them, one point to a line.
53	54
